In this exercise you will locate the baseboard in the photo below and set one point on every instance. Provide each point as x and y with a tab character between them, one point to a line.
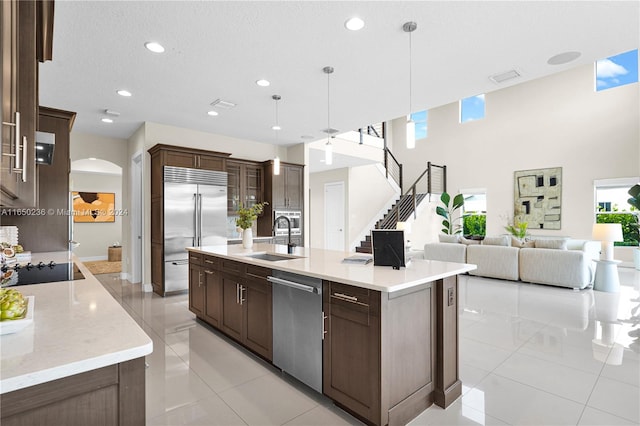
92	258
147	288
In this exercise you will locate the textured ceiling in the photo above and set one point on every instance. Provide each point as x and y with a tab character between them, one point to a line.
219	49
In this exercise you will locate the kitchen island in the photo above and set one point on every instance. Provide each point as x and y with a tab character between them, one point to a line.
390	337
81	360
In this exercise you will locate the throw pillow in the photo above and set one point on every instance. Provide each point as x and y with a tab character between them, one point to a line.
444	238
496	241
551	244
467	241
522	244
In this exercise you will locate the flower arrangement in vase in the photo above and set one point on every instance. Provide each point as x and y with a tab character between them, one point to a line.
246	217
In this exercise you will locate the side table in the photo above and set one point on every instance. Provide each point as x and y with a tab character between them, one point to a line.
606	278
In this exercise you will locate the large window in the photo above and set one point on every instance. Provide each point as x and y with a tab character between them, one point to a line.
617	70
420	118
475	212
612	207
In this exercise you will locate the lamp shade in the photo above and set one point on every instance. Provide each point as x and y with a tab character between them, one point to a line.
411	134
607	232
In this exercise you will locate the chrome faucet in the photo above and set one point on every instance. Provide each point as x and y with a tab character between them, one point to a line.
290	246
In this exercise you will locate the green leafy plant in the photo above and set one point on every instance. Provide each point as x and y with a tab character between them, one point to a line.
518	229
447	212
474	224
246	216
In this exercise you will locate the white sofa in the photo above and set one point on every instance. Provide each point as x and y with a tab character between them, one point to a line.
572	266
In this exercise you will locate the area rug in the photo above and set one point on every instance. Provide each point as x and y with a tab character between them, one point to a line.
103	267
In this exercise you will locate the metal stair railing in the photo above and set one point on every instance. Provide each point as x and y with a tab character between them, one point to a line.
432	178
392	167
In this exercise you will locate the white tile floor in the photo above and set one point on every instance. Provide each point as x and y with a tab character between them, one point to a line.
529	354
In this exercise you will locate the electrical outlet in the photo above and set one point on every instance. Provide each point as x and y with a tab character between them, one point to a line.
450	296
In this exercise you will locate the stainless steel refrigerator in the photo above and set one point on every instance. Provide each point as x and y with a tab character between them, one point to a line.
195	214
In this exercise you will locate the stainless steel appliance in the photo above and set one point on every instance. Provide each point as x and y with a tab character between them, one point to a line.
294	216
298	326
195	214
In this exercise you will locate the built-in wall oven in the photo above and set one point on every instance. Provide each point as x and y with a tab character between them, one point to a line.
295	218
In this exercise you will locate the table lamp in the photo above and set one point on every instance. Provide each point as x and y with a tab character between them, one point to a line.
607	233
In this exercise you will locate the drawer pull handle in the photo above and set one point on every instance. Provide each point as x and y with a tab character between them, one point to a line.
208	272
208	261
345	297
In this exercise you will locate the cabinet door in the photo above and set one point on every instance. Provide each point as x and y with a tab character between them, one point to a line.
257	304
233	187
179	159
252	185
294	187
196	289
209	162
231	307
213	296
278	190
351	351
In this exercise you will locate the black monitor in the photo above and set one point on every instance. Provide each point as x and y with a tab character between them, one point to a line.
388	247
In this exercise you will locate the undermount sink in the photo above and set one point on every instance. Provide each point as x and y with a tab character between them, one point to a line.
271	257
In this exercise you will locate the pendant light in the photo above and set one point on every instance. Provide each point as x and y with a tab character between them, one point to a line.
410	27
276	128
328	148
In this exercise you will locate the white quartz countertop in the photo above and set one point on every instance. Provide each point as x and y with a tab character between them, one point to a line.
327	264
77	327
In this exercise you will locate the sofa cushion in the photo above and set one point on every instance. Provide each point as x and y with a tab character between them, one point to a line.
522	244
566	268
503	240
494	261
444	238
551	244
445	252
468	241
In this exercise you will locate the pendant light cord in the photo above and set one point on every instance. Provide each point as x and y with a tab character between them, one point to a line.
410	75
328	107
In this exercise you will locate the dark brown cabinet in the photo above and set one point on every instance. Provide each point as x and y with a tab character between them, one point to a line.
234	298
167	155
283	192
25	37
351	351
245	183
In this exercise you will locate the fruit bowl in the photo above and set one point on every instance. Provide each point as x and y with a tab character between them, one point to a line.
13	326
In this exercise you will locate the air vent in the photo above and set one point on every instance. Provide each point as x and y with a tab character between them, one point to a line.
501	78
219	103
330	131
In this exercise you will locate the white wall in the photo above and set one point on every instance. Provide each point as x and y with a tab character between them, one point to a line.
555	121
95	238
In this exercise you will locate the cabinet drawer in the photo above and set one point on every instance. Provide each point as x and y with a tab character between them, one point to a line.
211	262
348	293
258	271
195	258
232	267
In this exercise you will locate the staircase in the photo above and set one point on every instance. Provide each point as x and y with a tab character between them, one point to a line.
433	179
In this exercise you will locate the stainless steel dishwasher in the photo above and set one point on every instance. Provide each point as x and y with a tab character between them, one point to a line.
298	326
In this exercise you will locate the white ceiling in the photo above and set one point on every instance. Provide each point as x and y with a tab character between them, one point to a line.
218	49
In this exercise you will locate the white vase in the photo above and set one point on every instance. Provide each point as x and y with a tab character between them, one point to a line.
247	238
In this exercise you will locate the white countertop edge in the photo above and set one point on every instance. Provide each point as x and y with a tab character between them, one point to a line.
62	371
285	266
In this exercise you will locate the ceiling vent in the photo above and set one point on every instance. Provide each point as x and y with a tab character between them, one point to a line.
219	103
330	131
505	76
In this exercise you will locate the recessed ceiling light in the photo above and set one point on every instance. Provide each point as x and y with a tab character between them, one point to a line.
92	158
263	83
154	47
275	128
107	120
563	58
212	113
124	93
354	24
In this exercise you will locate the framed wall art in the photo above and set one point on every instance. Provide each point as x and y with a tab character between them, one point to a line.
93	207
538	197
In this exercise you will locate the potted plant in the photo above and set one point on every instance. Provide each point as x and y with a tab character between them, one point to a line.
447	211
518	230
246	217
634	202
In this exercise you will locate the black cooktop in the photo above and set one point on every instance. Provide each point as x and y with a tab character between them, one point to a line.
14	275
